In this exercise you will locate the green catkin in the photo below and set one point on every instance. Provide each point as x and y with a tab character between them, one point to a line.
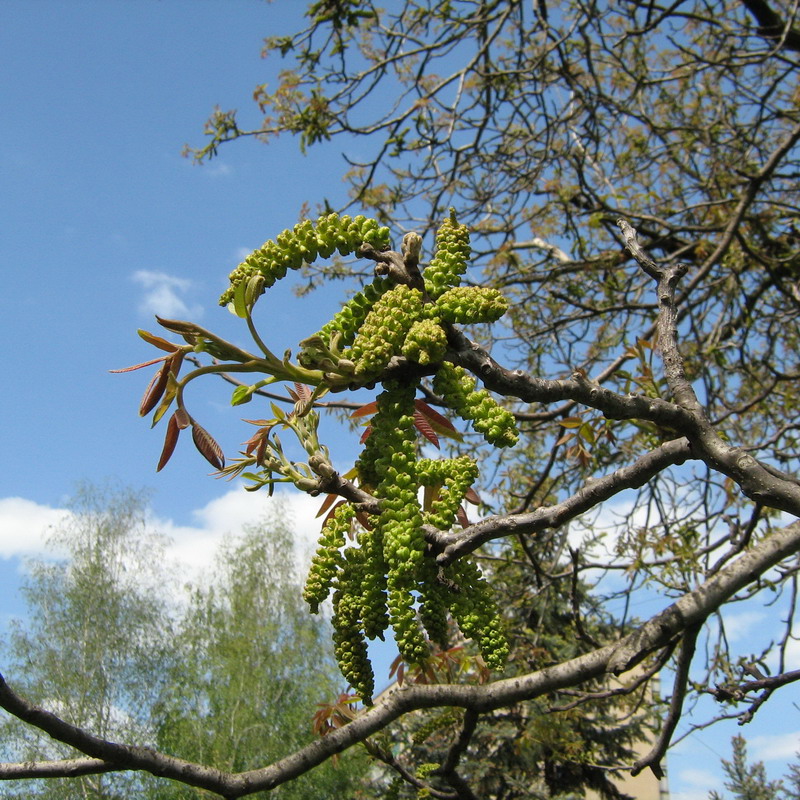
328	559
304	244
374	613
457	388
450	259
382	334
453	477
408	636
476	613
434	605
385	578
350	647
425	343
435	723
399	524
348	321
466	305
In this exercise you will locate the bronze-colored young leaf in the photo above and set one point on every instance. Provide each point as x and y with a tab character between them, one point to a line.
207	446
326	504
140	366
179	326
432	414
472	497
303	392
440	424
182	418
366	410
424	427
157	341
155	390
170	440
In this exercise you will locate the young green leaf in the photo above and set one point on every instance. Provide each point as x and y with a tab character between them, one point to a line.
241	395
239	304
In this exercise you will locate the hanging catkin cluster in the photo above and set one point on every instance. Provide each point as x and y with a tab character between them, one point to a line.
378	573
305	243
374	561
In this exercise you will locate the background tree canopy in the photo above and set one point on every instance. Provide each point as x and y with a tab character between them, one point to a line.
627	172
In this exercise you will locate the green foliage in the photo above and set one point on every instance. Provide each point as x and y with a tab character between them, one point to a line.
95	643
748	781
233	678
253	667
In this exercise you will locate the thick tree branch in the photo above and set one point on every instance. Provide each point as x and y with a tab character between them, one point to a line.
588	497
689	610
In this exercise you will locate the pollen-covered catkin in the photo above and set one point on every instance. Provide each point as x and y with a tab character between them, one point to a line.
328	559
466	305
476	613
457	388
450	257
425	343
304	244
381	335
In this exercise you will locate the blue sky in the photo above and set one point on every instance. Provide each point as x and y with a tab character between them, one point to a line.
105	223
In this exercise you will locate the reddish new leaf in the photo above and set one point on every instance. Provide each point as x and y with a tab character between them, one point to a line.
366	410
363	520
423	426
326	504
155	390
461	516
207	446
178	326
157	341
433	415
441	425
139	366
472	497
365	435
303	392
398	668
170	440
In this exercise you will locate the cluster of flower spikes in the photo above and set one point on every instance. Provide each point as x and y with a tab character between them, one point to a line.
305	243
376	584
458	390
385	319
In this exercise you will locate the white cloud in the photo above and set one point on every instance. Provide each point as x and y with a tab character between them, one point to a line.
217	169
193	546
25	526
774	747
740	625
162	294
695	784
